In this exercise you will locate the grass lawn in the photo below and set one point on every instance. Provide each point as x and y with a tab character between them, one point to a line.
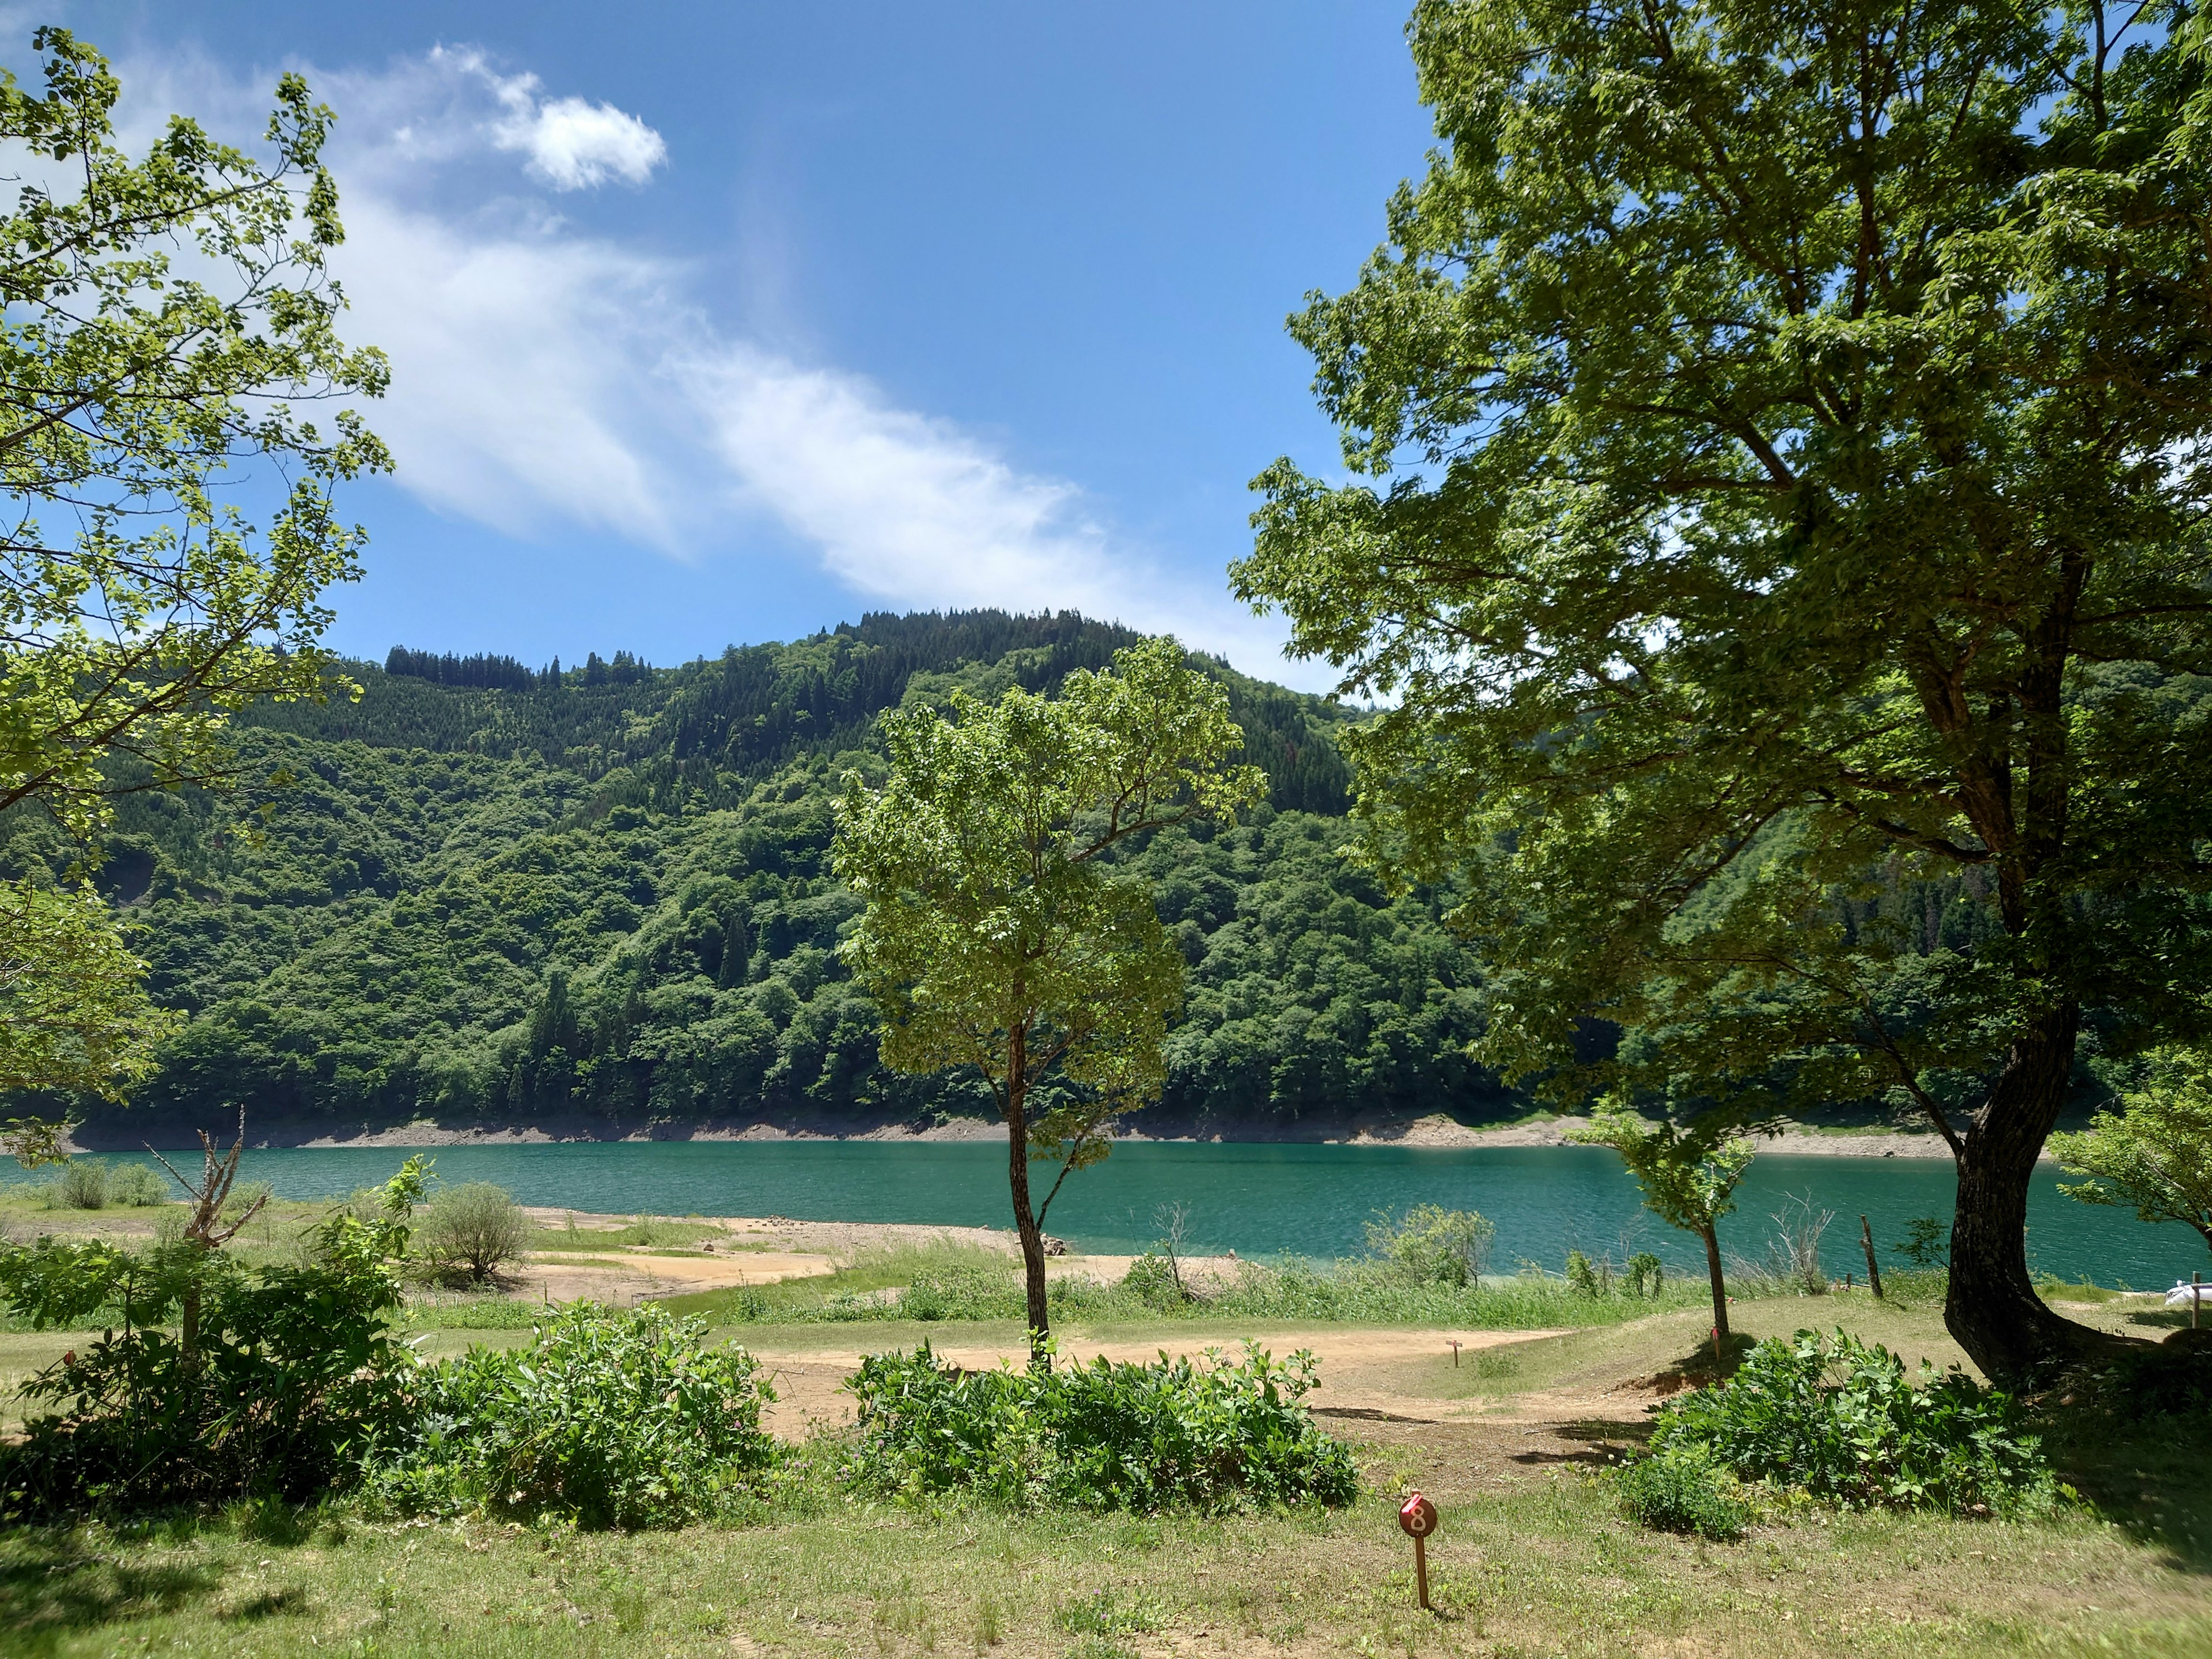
1512	1443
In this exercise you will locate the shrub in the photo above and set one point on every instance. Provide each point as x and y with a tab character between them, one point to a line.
608	1419
1151	1279
1433	1245
473	1231
1839	1419
293	1366
80	1185
1645	1275
1208	1435
138	1185
1680	1490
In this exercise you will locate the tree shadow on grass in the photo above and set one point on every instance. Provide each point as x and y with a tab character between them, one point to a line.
53	1587
1603	1442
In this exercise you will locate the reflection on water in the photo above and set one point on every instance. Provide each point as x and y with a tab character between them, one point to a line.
1257	1199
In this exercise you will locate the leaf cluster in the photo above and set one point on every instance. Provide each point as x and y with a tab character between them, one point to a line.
606	1418
1840	1420
1209	1434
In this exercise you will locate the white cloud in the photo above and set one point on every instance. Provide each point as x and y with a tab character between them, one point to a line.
573	144
542	376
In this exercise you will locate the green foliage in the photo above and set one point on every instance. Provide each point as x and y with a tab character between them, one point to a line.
139	1186
474	1228
1681	1489
73	1011
1927	1241
1840	1421
995	937
80	1185
1644	1274
608	1419
137	384
1431	1244
1688	1175
1151	1279
388	942
1209	1434
1582	1274
295	1366
1359	1291
2154	1155
1789	616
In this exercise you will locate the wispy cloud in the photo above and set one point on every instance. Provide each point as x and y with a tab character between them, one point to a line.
544	376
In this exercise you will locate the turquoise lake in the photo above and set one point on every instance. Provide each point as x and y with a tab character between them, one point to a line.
1258	1199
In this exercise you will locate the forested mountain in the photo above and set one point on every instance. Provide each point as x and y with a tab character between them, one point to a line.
489	893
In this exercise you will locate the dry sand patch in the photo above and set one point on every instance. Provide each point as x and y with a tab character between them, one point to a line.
1358	1369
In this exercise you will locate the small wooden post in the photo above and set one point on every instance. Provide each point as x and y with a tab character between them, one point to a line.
1417	1518
1454	1348
1873	1267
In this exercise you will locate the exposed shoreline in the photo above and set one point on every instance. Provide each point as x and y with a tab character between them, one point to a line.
1436	1130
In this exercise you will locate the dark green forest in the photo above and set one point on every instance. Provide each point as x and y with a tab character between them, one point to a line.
486	893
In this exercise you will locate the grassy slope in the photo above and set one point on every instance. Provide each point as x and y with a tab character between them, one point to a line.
1532	1557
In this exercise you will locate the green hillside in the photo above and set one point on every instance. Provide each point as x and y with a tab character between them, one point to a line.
494	894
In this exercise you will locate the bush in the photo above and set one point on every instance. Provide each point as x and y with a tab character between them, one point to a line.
138	1185
1433	1245
473	1231
608	1419
1151	1279
293	1367
1680	1490
1840	1420
80	1185
1208	1435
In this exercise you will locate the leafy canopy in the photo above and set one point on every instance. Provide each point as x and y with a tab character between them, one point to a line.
1688	1174
163	317
159	320
2156	1153
997	934
1794	427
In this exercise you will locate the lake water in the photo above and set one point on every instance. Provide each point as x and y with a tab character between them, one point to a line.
1257	1199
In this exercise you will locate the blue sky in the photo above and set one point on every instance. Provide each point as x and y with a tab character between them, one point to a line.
720	322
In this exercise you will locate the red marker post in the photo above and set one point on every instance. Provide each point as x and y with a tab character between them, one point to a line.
1417	1518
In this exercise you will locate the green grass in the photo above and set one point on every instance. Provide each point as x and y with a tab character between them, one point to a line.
1534	1557
970	1284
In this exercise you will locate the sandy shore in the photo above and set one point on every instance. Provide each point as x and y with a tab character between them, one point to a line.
1436	1130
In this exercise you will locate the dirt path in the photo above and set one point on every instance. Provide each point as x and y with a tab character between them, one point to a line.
1361	1370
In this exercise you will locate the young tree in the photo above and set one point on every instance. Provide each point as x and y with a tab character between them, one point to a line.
160	321
2156	1153
1688	1174
1812	455
996	933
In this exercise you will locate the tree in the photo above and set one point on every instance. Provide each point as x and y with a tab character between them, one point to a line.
1688	1174
74	1013
2156	1153
1805	421
162	319
996	934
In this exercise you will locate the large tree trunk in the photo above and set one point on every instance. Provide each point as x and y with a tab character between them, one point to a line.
1025	1225
1720	1284
1992	1308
